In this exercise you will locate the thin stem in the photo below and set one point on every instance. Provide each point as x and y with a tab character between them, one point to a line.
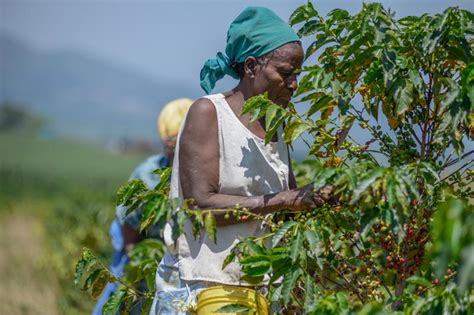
379	152
452	162
448	277
466	164
414	135
424	133
264	236
374	270
306	142
129	287
370	155
374	132
243	211
447	159
332	34
349	284
341	286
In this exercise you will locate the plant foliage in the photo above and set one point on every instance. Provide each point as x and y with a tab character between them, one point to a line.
390	114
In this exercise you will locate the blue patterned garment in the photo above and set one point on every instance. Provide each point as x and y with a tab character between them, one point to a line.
120	259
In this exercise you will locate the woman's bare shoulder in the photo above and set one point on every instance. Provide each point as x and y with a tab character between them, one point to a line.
202	109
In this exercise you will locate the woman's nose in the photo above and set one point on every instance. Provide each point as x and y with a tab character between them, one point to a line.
293	83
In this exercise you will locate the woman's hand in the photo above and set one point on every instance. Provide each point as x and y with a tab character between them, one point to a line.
306	198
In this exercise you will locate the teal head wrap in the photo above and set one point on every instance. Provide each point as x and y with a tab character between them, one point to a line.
255	32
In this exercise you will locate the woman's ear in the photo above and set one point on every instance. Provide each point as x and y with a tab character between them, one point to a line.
250	66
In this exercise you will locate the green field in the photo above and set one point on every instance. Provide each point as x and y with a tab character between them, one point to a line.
56	197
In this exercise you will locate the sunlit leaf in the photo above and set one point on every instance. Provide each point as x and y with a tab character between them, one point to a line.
210	226
256	266
310	295
295	246
294	129
99	284
84	264
257	106
366	183
289	282
282	230
165	175
112	306
303	13
419	281
130	189
230	258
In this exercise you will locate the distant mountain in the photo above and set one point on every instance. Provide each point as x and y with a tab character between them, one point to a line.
83	95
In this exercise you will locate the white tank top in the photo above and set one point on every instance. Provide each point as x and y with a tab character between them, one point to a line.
247	167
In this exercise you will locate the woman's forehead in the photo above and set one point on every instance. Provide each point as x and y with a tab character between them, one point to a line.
289	54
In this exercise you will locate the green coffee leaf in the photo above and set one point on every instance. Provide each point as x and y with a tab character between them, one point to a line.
289	282
284	228
86	262
294	129
419	281
303	13
310	27
130	189
99	284
374	175
92	278
230	258
210	226
310	297
256	266
112	306
296	246
165	175
257	106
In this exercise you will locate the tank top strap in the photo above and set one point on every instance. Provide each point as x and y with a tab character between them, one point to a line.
227	117
222	107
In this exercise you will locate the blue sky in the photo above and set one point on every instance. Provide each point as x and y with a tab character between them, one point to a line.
164	39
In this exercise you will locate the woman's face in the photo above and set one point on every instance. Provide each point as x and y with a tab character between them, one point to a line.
277	76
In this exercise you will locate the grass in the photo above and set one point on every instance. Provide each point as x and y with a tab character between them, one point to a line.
32	165
59	196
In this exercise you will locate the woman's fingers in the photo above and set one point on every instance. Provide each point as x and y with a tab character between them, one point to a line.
327	193
306	198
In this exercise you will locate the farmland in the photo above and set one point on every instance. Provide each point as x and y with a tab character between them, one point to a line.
56	196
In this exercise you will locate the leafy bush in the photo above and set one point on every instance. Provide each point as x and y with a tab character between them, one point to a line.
390	112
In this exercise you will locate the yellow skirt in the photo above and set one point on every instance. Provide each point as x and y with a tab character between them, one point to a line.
210	300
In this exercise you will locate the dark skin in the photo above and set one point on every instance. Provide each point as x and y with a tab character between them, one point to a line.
199	147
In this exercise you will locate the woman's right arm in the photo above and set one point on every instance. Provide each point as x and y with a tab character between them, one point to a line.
199	171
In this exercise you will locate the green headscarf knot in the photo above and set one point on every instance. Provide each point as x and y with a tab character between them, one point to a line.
214	70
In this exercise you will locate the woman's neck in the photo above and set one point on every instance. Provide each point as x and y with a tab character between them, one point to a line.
238	95
236	99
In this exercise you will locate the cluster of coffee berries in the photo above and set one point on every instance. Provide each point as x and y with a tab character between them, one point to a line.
385	237
371	288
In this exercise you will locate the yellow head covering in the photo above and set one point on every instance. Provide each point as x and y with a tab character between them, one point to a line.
171	116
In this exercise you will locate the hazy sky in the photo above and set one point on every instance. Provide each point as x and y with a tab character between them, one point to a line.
165	39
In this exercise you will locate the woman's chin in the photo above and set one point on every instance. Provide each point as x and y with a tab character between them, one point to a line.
283	102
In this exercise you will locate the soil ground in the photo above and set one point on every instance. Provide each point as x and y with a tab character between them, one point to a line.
25	286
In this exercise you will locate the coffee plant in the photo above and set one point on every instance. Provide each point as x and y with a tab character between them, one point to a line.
391	122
